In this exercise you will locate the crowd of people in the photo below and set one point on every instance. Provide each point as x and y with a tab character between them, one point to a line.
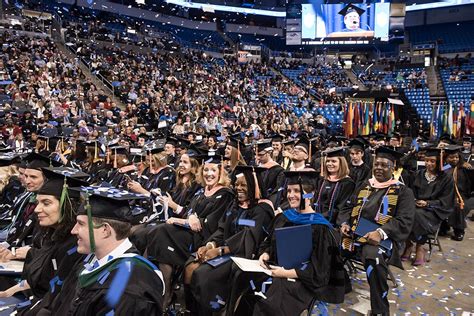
114	210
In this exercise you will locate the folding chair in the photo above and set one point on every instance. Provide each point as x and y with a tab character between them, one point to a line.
354	265
433	240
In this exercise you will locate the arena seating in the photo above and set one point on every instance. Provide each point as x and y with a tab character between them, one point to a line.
451	37
459	82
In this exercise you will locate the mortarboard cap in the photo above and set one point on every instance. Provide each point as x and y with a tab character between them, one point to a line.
351	8
109	202
388	153
334	152
172	141
264	145
37	161
301	177
356	144
451	149
7	159
56	178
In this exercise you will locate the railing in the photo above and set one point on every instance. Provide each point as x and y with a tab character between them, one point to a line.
106	82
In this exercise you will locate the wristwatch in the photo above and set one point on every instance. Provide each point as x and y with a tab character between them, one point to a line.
221	251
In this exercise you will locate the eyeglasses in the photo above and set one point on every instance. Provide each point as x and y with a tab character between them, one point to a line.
383	165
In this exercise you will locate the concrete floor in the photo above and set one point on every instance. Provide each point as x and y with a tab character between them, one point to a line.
444	286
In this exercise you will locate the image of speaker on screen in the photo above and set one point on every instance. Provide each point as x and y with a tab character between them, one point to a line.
321	20
354	21
351	15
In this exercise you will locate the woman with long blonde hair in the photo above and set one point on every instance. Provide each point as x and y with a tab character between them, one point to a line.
335	187
170	245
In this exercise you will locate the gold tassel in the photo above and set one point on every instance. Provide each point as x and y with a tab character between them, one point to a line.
258	194
115	158
151	161
309	152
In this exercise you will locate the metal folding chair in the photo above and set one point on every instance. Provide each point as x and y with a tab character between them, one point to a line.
354	265
433	240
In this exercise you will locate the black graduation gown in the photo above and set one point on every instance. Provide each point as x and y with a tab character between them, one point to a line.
322	278
10	192
243	241
360	173
24	228
171	244
399	227
47	264
139	237
164	180
273	179
341	198
457	219
143	295
440	197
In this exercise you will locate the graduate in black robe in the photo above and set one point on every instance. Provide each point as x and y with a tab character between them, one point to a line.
434	195
52	254
290	291
239	234
359	170
273	176
335	188
178	199
23	227
462	181
171	245
388	204
13	187
115	279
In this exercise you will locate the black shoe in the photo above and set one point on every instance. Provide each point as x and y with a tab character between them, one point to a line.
458	236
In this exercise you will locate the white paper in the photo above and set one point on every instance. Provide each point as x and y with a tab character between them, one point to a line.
12	266
250	265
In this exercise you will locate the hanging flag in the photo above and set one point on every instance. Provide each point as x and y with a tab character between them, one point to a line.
450	119
434	121
461	120
349	119
455	121
376	118
366	119
471	118
356	119
439	131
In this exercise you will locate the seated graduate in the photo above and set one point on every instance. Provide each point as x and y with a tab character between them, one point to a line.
52	254
359	170
273	177
115	278
434	195
171	245
390	205
12	183
155	181
291	290
240	232
177	200
18	235
462	180
335	187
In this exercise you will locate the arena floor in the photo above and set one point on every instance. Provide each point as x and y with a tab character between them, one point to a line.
444	286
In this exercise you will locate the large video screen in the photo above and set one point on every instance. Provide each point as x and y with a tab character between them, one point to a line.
344	23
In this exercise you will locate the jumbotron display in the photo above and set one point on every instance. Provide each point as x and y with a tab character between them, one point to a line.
339	24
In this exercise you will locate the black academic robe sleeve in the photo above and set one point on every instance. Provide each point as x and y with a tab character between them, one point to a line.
246	241
442	202
214	210
344	196
399	226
